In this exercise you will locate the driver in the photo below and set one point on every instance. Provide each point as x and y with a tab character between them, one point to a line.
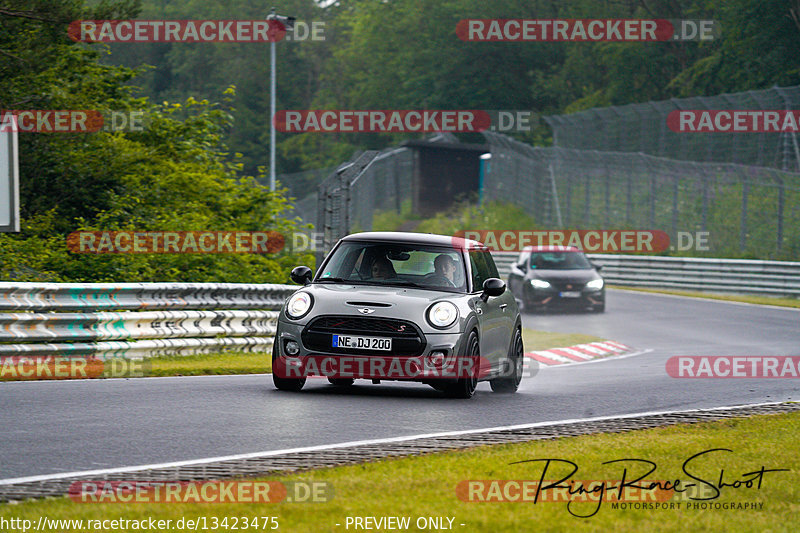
445	266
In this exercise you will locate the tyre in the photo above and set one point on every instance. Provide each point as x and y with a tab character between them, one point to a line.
510	383
341	382
287	384
465	387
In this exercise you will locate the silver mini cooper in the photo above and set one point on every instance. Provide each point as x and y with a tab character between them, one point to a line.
401	306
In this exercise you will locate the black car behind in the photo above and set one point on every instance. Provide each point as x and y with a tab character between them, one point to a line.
556	277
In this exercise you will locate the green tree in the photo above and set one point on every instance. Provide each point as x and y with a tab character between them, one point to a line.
176	174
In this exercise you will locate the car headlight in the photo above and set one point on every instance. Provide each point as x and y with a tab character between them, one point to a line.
595	284
540	284
299	305
442	314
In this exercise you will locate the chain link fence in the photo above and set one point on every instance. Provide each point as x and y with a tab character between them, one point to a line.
299	184
748	211
643	128
612	168
371	182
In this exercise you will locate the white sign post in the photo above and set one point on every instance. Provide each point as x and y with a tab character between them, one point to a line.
9	174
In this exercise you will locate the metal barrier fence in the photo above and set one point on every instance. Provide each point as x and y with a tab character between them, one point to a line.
776	278
746	210
136	320
643	128
744	276
139	320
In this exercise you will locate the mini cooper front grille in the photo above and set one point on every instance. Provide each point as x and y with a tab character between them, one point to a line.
364	325
406	337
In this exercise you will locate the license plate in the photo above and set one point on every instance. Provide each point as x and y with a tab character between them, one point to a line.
571	294
362	343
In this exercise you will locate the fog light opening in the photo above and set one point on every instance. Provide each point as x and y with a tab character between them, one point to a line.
291	347
435	359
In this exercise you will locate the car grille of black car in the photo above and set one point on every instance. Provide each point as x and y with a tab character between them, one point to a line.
406	337
568	285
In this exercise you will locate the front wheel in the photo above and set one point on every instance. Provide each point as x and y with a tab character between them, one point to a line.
465	387
512	375
287	384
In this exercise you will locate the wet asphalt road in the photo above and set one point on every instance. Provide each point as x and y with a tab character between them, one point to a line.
51	427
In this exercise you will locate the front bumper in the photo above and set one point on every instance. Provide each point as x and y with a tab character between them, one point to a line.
437	358
553	298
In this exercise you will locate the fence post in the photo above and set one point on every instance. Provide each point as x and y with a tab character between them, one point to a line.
704	181
745	194
587	200
675	193
779	230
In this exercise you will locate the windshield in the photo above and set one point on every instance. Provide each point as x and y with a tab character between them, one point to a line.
411	265
559	261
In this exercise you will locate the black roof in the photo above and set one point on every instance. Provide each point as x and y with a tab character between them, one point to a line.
416	238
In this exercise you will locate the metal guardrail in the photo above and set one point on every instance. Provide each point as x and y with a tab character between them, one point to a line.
776	278
137	320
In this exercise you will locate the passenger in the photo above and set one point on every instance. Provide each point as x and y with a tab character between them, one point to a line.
382	269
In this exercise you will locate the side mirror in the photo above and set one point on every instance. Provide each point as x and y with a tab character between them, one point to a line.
301	275
493	287
523	266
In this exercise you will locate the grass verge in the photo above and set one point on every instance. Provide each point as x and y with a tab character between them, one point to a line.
534	340
425	486
210	364
745	298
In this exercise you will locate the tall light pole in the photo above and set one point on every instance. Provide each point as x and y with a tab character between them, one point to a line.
288	24
484	166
